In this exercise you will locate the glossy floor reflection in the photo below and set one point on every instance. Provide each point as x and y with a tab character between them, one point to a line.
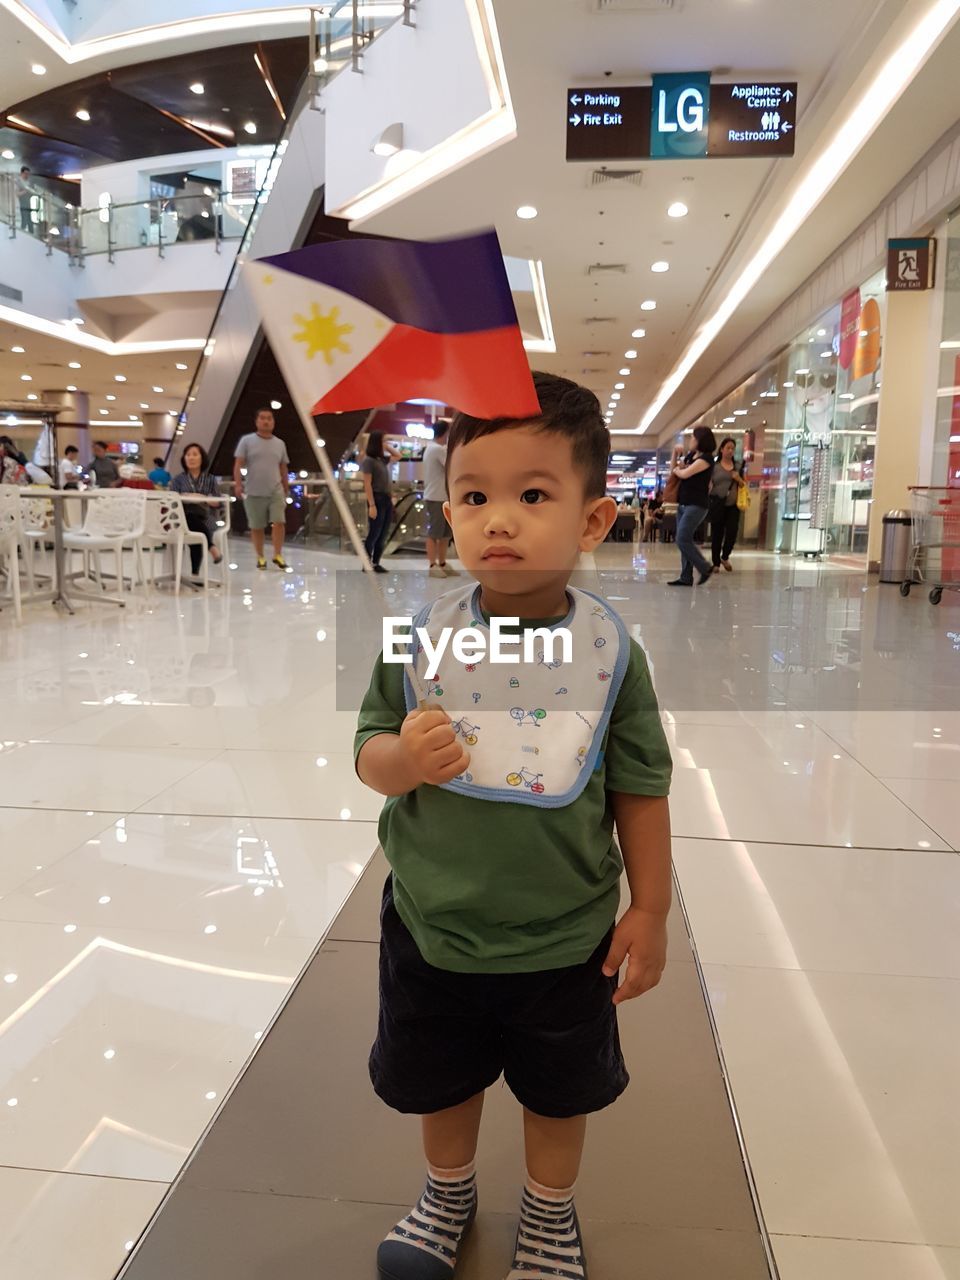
180	822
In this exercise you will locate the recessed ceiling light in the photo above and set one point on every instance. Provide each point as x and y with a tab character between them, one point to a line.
133	417
196	87
7	155
677	210
119	377
144	406
249	127
788	384
111	397
729	419
824	355
615	396
649	305
181	367
801	371
39	69
74	364
660	266
31	396
158	391
25	377
276	404
83	114
618	386
624	372
639	333
741	413
18	351
527	211
630	355
104	411
71	387
821	333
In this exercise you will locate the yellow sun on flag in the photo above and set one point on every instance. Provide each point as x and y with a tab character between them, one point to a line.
322	333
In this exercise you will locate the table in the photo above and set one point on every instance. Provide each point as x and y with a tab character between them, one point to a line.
57	595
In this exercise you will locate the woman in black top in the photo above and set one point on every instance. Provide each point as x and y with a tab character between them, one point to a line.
377	486
693	500
195	478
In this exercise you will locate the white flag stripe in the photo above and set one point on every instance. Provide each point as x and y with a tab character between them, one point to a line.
318	334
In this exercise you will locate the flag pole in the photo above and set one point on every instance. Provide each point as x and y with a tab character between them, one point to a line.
346	515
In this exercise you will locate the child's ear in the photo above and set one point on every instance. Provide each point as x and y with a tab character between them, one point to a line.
446	514
599	514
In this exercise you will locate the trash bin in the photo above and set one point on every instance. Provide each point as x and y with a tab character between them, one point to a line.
896	545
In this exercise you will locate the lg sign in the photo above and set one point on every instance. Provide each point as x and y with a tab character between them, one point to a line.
691	113
681	110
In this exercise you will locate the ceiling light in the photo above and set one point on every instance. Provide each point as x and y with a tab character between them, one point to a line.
800	371
825	355
677	210
847	138
25	377
276	404
31	396
158	391
659	266
788	384
71	388
630	355
624	372
615	396
649	305
111	397
729	419
117	377
821	333
18	351
39	69
104	411
619	386
181	367
741	413
639	333
526	211
83	114
133	417
144	406
320	65
249	127
74	364
196	87
7	155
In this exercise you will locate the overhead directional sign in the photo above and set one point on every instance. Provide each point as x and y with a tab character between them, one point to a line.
608	124
752	119
681	116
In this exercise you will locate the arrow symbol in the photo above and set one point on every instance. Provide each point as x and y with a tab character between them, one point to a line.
574	120
785	127
575	100
787	95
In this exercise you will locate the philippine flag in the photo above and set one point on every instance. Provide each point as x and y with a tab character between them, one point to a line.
356	324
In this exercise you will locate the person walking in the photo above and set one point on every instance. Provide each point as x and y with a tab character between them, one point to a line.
25	192
435	495
724	512
70	472
267	486
160	476
201	518
377	486
693	501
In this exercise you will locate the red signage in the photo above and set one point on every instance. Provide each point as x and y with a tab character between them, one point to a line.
849	328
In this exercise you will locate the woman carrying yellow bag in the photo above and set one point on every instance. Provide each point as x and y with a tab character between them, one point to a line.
728	497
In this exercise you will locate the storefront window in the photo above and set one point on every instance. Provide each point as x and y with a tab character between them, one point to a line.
946	458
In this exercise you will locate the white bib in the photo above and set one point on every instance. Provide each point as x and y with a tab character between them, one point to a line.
534	731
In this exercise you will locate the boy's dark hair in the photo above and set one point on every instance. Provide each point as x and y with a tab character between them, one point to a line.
265	408
158	462
440	428
705	440
101	444
71	448
566	409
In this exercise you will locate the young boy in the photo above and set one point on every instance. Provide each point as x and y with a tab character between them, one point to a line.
499	952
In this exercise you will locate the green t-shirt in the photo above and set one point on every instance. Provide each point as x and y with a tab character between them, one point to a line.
485	886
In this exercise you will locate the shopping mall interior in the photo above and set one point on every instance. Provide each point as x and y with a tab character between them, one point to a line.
739	215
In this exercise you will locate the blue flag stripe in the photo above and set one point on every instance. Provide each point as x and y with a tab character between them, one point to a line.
450	286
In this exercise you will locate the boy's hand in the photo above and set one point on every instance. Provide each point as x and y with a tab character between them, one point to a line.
642	936
431	746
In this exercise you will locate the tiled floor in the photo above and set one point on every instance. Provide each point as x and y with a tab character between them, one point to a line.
179	823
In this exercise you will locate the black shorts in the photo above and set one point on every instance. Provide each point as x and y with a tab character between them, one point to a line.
445	1036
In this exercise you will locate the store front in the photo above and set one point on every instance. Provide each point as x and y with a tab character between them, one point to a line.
805	425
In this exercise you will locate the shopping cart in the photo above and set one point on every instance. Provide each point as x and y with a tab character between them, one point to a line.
936	530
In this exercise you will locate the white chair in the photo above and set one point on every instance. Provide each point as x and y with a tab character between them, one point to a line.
10	526
113	520
166	525
36	515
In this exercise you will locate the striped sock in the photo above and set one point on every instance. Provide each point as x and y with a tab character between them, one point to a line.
548	1241
423	1246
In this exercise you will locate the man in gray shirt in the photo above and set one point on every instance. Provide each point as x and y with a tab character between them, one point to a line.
265	486
434	495
104	469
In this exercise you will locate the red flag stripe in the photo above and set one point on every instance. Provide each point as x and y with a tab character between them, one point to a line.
485	374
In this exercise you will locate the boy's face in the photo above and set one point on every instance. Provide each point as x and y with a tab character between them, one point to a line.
518	511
